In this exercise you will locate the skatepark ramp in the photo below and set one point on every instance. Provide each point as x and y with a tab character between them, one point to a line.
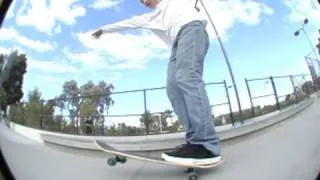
287	150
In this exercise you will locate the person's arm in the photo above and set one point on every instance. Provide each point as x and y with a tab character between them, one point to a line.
142	21
146	21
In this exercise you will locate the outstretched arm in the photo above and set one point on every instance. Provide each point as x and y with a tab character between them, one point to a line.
147	21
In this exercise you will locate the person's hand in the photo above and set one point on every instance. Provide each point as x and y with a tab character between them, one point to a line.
97	34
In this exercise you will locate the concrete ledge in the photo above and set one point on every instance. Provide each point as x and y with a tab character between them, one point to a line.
167	141
161	141
258	123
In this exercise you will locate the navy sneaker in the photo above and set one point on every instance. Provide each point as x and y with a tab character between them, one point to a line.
191	154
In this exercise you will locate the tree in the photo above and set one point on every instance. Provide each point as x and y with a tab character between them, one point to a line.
100	98
17	113
164	115
317	83
35	112
112	131
307	87
12	69
149	122
125	130
32	110
57	124
3	102
153	121
88	99
48	119
318	45
87	114
174	127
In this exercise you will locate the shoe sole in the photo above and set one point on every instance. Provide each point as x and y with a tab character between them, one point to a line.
192	160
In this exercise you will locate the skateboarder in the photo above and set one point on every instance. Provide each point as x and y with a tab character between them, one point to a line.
179	25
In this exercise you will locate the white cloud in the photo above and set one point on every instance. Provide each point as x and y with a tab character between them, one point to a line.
48	67
49	85
4	50
35	44
44	71
109	77
104	4
116	76
11	34
299	10
124	51
8	34
135	50
53	67
225	14
57	30
91	59
44	15
49	79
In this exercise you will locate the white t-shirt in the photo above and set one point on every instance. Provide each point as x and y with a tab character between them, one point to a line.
165	20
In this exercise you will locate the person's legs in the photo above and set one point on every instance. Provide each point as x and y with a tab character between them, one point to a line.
176	97
192	46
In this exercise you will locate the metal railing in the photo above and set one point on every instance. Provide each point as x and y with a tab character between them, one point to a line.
64	121
296	91
44	119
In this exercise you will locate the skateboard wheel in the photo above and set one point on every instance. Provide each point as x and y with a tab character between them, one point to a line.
124	160
189	170
193	176
112	162
121	159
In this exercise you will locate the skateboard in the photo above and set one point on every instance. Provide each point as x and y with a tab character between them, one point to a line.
121	157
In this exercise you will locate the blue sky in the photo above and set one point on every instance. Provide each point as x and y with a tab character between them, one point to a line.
258	37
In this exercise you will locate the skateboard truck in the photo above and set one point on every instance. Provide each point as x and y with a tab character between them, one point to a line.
117	159
113	162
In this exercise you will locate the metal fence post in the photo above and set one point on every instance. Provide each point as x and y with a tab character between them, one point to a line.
275	92
145	112
294	88
292	82
249	92
41	109
229	103
23	113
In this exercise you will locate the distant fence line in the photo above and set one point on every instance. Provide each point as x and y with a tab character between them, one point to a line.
275	93
231	117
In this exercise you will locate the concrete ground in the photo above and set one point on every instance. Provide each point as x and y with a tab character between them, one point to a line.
289	150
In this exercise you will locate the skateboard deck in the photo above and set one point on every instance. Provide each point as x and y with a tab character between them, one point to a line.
121	156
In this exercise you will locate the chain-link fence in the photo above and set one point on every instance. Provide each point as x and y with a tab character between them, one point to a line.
148	111
278	92
89	115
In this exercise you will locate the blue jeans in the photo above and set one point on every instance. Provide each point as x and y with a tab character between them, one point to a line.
186	88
